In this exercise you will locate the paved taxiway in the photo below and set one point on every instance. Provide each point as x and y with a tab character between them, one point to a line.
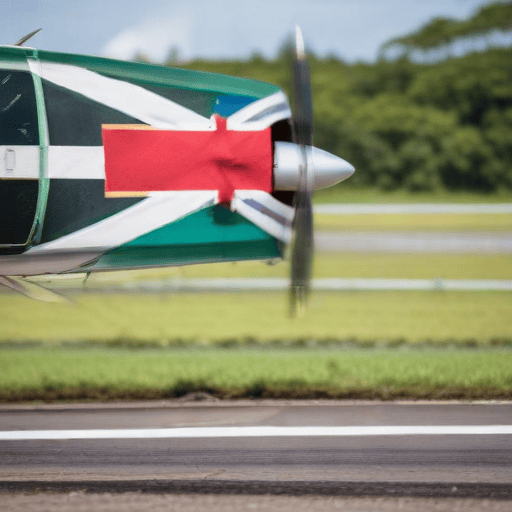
463	464
415	242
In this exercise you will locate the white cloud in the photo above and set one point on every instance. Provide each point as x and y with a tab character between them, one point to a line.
354	29
152	37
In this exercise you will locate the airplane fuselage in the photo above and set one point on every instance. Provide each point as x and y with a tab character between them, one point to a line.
57	212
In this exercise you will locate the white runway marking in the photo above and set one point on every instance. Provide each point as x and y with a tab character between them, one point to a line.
223	284
264	431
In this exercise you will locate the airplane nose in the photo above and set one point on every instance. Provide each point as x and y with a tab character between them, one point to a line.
327	169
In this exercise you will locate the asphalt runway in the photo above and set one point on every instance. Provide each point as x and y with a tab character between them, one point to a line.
414	242
356	463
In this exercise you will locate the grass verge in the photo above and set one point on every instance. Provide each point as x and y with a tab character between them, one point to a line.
420	222
345	193
325	265
414	316
49	374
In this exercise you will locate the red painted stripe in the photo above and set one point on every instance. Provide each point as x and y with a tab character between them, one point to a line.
146	160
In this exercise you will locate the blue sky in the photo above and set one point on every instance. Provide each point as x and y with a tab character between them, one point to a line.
352	29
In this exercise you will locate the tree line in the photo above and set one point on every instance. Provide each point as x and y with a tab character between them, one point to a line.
405	124
494	17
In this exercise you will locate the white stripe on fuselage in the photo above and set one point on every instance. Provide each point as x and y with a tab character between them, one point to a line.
135	101
76	162
19	162
261	113
64	162
266	212
153	212
262	431
153	109
70	252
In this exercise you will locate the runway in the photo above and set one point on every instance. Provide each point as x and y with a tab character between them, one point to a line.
363	449
415	243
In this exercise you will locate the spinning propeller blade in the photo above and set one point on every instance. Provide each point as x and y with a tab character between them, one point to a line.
24	39
302	251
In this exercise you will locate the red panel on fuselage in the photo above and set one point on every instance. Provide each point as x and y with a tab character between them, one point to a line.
140	159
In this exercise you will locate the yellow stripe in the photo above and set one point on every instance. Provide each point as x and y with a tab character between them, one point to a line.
126	194
127	127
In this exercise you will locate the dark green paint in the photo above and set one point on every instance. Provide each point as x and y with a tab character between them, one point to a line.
211	225
160	256
210	235
160	75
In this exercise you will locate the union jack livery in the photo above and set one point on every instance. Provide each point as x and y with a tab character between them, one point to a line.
110	165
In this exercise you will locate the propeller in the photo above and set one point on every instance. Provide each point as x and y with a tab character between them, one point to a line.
302	250
24	39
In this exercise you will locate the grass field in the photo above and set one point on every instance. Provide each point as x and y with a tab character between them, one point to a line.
418	222
416	324
345	193
99	374
413	316
348	265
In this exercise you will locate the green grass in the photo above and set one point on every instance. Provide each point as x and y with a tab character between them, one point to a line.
418	222
205	321
414	316
348	265
413	266
345	193
59	373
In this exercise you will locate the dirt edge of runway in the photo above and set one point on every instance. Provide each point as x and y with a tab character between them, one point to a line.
494	491
201	393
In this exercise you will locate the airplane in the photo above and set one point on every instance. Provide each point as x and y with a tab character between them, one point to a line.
111	165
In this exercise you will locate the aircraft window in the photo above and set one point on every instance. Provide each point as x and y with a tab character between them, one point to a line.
74	120
18	109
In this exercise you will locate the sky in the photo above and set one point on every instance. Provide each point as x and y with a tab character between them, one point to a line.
219	29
